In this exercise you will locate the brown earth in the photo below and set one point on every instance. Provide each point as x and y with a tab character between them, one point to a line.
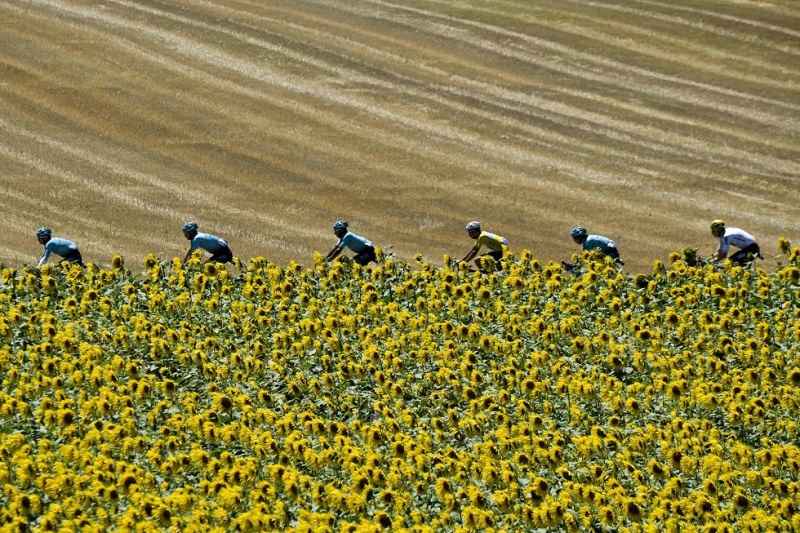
266	120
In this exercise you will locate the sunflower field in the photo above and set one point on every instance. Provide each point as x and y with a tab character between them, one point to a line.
415	397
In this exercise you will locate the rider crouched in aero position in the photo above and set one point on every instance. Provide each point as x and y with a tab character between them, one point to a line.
218	248
363	248
66	249
593	243
748	247
495	244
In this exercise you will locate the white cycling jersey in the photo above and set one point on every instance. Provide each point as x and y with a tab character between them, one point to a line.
736	237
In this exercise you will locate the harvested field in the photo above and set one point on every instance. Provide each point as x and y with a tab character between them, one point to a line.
642	119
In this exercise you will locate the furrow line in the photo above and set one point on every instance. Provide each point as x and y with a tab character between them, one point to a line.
427	20
597	119
220	59
722	31
210	106
427	94
542	102
260	73
648	47
733	60
727	18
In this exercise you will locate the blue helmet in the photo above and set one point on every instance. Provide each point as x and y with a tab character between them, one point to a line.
340	225
474	225
578	232
190	227
44	233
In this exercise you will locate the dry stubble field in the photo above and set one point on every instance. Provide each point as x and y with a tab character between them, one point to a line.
265	120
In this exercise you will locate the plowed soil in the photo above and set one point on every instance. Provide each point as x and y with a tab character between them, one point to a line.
266	120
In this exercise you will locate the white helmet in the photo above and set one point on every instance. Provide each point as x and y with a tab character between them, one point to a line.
475	225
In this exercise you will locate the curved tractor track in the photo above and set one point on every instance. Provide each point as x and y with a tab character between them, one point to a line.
641	119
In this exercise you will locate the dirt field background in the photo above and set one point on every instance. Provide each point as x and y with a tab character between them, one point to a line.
264	120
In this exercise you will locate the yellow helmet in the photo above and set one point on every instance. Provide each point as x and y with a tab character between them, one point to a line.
717	227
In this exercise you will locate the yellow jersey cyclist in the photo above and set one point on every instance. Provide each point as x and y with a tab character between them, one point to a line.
494	243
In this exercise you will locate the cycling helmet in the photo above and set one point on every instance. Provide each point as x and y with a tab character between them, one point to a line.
190	227
717	227
475	225
578	232
340	225
44	233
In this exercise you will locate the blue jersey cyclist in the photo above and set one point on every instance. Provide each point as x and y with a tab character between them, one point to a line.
595	243
64	248
218	248
363	248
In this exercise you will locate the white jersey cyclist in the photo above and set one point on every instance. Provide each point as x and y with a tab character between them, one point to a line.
736	237
748	247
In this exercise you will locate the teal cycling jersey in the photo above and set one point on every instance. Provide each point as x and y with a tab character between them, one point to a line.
210	243
354	242
600	244
60	247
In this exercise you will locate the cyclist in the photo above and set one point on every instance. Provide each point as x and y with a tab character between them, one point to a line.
593	243
494	243
66	249
218	248
748	247
363	248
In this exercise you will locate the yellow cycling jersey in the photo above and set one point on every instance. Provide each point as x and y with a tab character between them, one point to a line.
491	241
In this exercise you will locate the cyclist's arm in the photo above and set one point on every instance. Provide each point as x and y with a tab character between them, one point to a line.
472	253
722	252
334	252
44	257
